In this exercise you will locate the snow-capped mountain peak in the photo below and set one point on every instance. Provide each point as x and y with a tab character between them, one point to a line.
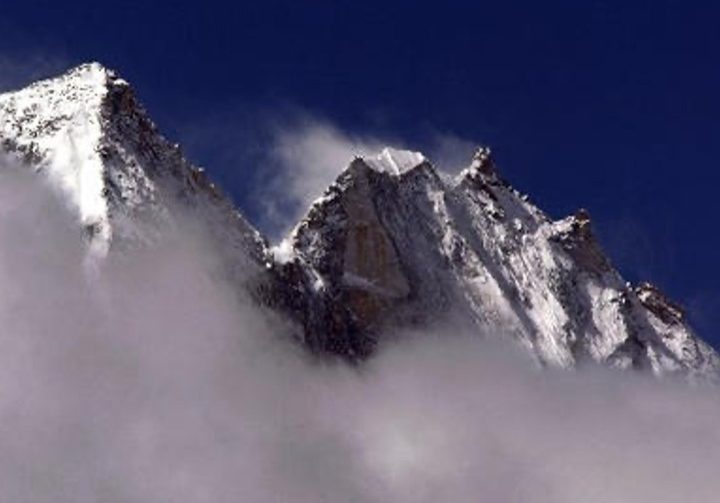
87	132
57	123
414	249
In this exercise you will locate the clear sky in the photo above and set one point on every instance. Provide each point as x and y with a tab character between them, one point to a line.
612	106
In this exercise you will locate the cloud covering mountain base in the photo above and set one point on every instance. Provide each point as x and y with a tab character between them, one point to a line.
148	378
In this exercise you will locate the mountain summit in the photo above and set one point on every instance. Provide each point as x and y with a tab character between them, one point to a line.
88	134
392	244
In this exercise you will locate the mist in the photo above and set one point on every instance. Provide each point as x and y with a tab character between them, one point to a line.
151	379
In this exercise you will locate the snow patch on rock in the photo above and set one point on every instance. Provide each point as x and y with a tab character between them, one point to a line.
394	161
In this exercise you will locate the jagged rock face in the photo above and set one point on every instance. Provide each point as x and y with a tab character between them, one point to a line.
371	266
411	247
391	244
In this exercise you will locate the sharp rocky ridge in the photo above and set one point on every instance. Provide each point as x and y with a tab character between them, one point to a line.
392	244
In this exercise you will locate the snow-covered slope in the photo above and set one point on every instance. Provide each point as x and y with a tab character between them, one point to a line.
392	243
88	134
408	248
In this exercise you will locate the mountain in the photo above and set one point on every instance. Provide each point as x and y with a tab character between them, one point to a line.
88	134
392	244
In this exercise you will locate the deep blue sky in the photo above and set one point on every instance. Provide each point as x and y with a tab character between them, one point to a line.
614	106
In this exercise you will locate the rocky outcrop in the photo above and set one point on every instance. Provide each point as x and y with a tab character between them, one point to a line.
659	305
408	248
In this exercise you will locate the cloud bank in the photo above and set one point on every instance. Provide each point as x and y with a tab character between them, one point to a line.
152	380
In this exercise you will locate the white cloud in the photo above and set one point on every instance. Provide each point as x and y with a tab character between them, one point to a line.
151	381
